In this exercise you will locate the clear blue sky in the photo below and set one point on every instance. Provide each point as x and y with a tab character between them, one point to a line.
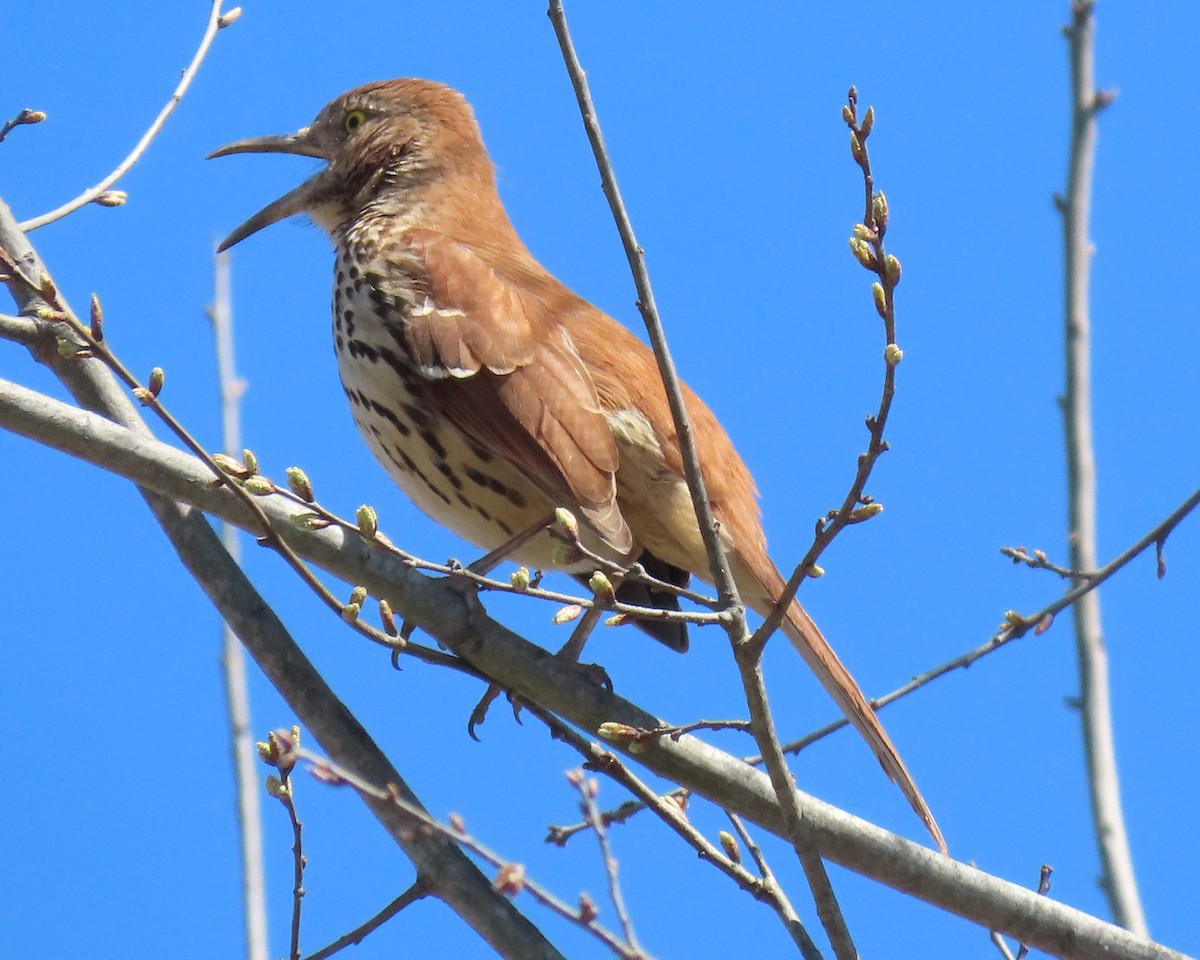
724	123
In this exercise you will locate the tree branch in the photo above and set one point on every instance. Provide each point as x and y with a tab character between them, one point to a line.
532	673
1118	881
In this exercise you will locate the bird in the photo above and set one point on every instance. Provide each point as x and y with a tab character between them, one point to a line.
493	394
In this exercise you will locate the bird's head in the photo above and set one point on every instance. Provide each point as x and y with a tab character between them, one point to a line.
386	146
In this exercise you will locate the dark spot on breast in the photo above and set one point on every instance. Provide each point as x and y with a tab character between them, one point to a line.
403	368
434	444
416	415
358	349
484	456
448	472
390	416
341	278
482	479
353	273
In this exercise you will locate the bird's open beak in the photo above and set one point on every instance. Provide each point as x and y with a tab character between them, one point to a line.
301	143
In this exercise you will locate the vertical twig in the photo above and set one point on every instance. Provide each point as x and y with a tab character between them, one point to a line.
1116	861
748	654
233	657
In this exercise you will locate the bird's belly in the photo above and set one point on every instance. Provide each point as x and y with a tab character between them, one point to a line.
472	491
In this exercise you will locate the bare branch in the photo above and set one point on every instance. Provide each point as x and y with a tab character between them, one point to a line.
233	657
1118	881
216	21
23	118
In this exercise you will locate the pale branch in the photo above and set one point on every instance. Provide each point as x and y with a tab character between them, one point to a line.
1112	839
233	656
216	21
534	675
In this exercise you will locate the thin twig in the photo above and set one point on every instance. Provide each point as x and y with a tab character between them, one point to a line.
748	656
783	906
867	246
87	341
233	656
216	21
280	751
23	118
669	809
418	891
722	575
511	878
588	787
1112	839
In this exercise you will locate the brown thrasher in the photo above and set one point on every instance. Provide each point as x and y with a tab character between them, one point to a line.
492	393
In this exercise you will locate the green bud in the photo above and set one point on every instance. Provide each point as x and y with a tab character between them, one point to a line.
879	211
259	486
892	355
730	845
520	579
868	122
863	253
615	732
299	483
368	521
880	298
250	460
601	586
358	595
565	523
892	269
865	512
310	521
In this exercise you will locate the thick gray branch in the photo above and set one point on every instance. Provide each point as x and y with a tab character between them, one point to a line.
534	674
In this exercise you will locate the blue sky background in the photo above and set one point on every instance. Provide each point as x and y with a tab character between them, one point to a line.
723	121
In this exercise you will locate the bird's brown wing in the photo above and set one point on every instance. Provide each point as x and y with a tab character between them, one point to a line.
508	375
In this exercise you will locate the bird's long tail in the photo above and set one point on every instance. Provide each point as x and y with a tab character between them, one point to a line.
812	646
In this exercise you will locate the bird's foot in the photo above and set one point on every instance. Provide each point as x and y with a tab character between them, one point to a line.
466	588
479	714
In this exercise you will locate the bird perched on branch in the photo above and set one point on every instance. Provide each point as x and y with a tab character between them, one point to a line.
492	394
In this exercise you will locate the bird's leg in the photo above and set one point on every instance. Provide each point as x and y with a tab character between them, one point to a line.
489	561
573	648
482	567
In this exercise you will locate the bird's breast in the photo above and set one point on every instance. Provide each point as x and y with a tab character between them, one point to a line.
447	474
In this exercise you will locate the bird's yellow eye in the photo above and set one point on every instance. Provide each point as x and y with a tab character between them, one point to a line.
354	120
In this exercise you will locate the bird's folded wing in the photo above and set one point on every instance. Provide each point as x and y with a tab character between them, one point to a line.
508	375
